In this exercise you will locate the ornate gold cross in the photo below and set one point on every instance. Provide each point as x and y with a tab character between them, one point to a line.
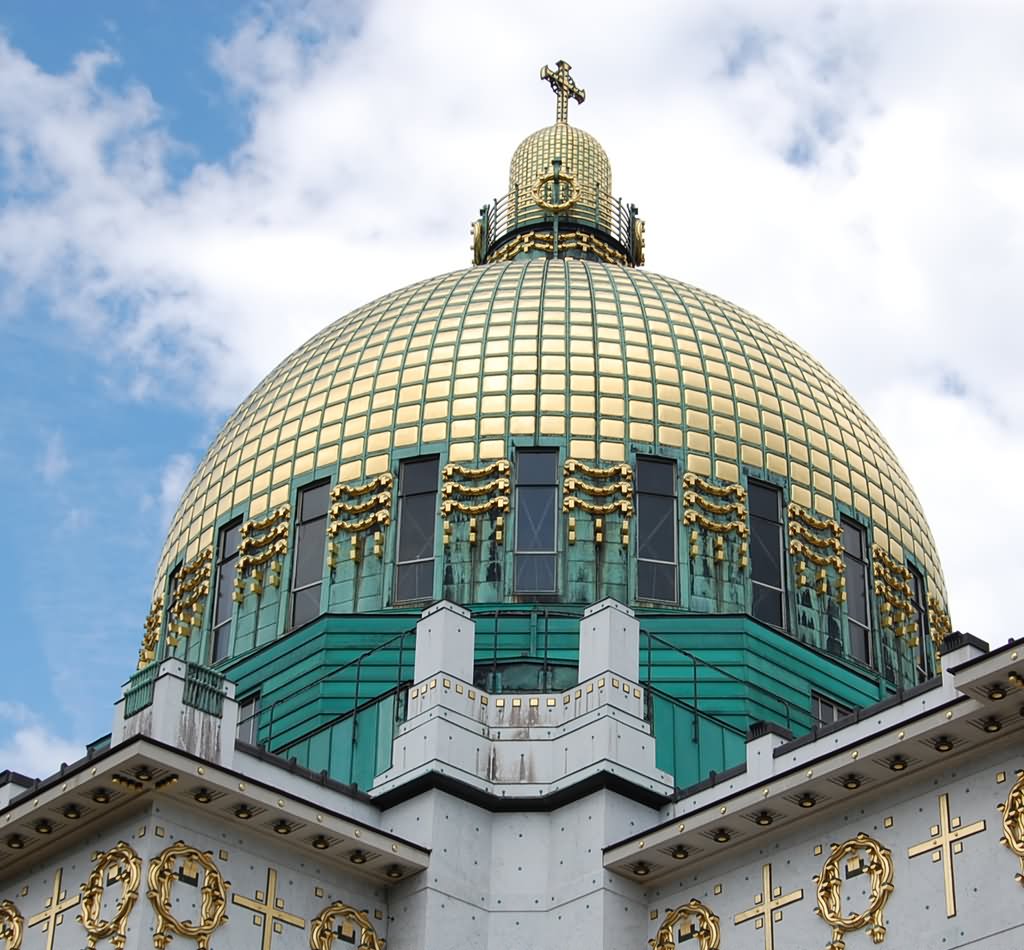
272	910
946	841
767	909
564	87
52	914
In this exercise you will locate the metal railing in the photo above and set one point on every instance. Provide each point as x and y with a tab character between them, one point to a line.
778	708
518	211
139	693
204	689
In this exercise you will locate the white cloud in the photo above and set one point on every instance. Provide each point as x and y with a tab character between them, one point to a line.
850	173
173	479
55	463
30	747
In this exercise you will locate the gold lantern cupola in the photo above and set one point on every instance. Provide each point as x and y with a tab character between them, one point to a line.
559	201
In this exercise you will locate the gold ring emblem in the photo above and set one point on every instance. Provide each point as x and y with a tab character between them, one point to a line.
555	207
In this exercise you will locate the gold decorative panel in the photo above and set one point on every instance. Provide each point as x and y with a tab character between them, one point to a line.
720	510
119	865
614	483
816	549
603	351
481	490
850	856
174	862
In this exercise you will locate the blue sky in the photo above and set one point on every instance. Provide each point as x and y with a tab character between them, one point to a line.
189	190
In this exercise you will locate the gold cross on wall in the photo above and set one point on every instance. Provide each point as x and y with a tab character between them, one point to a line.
271	910
52	914
564	88
767	909
943	844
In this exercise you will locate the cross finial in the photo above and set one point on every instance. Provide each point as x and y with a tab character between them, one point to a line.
564	88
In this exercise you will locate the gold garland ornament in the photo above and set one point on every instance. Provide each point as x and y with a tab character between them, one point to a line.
1013	822
11	925
324	929
381	482
120	863
213	906
830	890
692	480
151	637
708	932
501	467
621	470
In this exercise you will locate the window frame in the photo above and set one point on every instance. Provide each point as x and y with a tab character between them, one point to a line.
924	659
518	553
222	562
300	521
674	496
250	724
863	563
401	522
780	527
838	710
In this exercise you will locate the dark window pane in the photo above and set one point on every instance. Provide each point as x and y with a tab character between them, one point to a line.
248	719
224	605
230	538
655	477
221	641
656	581
764	501
656	527
853	539
419	477
536	468
767	605
766	552
314	501
305	605
417	518
860	643
416	527
414	581
535	573
309	553
535	519
856	591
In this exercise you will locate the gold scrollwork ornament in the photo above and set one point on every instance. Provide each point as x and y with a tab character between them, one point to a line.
213	901
324	929
11	925
830	890
122	864
1013	822
704	925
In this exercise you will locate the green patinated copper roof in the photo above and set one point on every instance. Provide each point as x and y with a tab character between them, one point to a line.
603	360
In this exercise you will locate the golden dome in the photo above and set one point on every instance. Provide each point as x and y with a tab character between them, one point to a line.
603	360
583	159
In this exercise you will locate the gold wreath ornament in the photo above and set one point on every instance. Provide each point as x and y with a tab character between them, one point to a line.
830	890
122	864
11	925
1013	822
163	872
555	207
324	929
708	932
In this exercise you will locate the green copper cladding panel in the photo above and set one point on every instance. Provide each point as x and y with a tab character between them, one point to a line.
329	693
